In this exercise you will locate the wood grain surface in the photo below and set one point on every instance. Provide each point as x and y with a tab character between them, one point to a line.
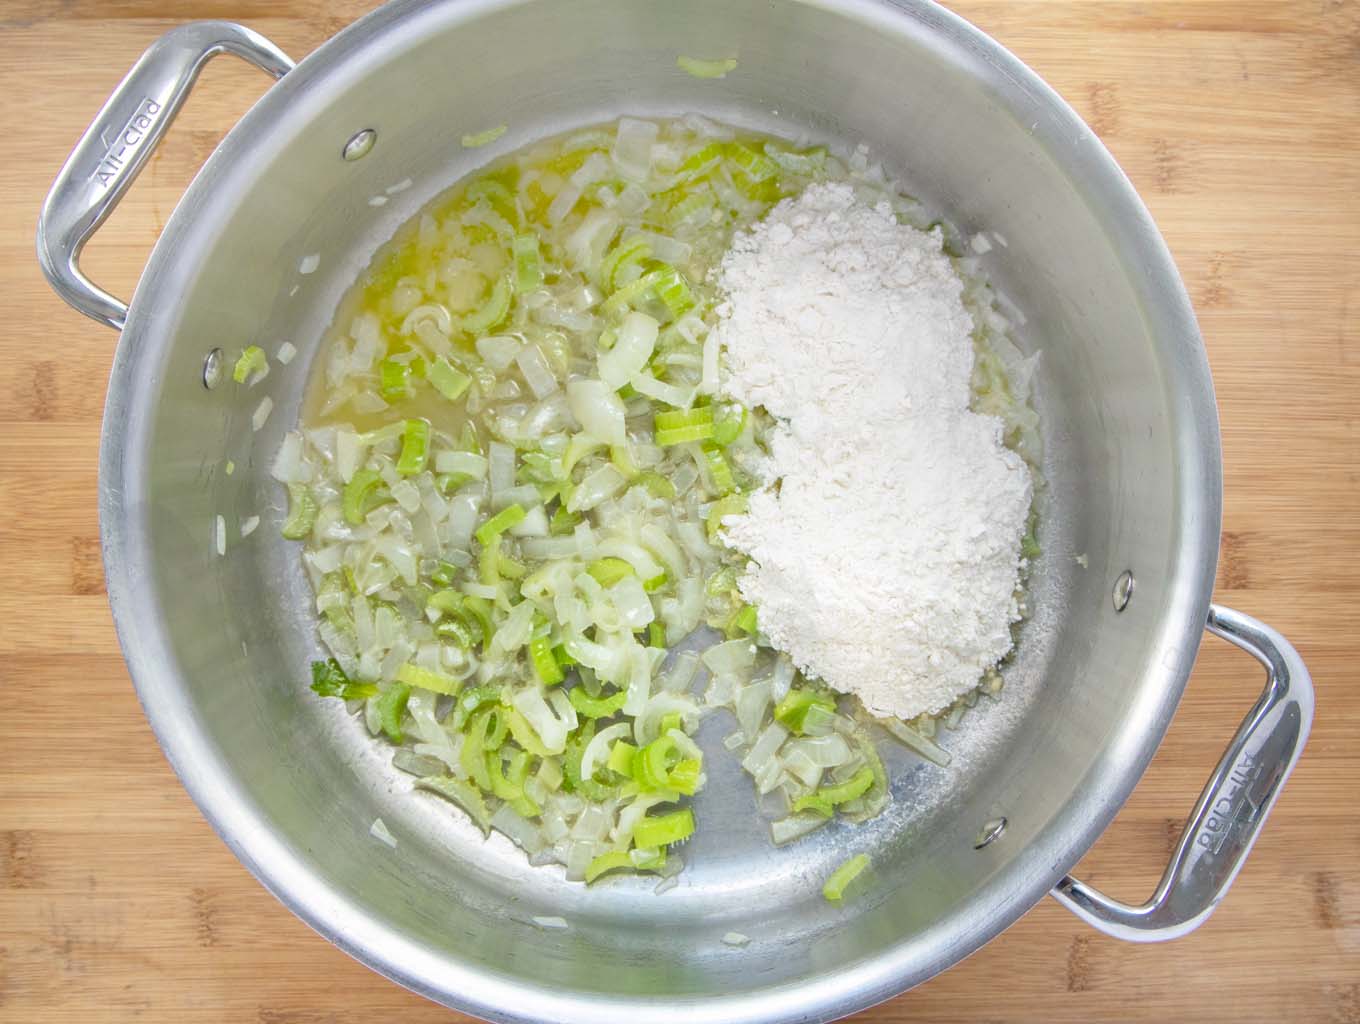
1239	122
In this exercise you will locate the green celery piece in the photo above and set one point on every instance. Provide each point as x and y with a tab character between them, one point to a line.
302	513
623	255
611	861
544	662
701	161
355	500
446	602
463	794
492	312
564	522
621	757
718	468
251	361
503	520
436	682
653	763
479	608
394	380
330	680
807	162
745	621
699	68
608	571
792	710
729	505
656	484
824	799
595	707
729	419
618	303
677	426
415	447
664	829
684	777
755	167
391	706
447	380
457	630
834	889
528	266
674	292
470	701
524	733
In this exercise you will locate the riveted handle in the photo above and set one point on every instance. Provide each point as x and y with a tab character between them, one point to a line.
118	143
1233	807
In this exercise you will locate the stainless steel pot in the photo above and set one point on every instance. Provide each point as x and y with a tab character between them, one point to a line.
218	646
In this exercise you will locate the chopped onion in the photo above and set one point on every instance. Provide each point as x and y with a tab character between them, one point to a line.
379	830
537	374
498	350
632	150
288	467
632	348
926	748
599	411
786	830
763	750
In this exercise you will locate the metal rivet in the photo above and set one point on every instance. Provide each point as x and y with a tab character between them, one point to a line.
212	369
990	832
1123	590
359	144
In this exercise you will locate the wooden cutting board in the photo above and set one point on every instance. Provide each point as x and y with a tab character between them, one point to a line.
1238	121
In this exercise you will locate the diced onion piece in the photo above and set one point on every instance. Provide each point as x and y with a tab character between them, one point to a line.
462	463
632	347
498	351
926	748
598	409
379	831
537	374
288	467
632	150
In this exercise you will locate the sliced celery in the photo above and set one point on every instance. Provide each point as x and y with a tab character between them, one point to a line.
448	381
302	513
834	889
706	68
415	447
251	362
437	682
511	515
664	829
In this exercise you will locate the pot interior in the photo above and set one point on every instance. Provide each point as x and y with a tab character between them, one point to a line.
220	646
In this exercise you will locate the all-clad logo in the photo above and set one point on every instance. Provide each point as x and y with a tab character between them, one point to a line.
1228	806
120	151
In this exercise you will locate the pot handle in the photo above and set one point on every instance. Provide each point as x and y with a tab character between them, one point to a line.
117	144
1233	806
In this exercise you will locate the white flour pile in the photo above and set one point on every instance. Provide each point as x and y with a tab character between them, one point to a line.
885	548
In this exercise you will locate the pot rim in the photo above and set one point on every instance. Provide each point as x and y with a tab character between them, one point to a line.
994	906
